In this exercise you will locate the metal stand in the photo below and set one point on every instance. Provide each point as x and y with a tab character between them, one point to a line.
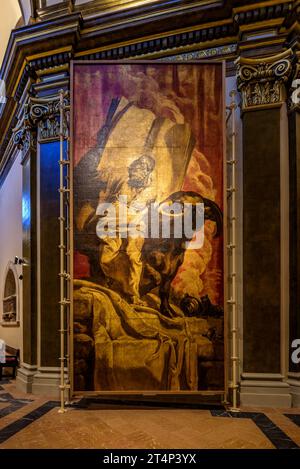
64	247
231	247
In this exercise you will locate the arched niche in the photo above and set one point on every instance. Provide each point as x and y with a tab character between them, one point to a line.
10	314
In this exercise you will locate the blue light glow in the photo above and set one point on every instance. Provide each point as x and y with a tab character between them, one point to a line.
26	210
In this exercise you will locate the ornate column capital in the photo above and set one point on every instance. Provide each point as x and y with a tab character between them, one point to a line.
40	115
24	132
262	82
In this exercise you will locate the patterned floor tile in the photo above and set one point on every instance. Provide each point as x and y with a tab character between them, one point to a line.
34	422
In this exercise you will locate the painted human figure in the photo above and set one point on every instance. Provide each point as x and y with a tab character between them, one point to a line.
135	194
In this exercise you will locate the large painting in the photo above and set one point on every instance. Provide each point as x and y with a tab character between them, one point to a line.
148	299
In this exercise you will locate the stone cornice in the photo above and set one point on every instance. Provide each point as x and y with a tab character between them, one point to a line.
215	21
110	8
262	82
262	12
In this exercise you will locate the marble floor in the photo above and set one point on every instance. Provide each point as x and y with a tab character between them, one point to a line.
31	422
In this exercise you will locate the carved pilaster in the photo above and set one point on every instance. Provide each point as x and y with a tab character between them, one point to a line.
262	82
263	85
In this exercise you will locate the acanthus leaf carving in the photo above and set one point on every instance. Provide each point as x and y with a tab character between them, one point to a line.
41	113
262	82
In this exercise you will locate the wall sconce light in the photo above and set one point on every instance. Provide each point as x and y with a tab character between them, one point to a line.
21	261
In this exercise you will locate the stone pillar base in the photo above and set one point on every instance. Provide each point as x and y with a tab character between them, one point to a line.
25	375
42	381
265	390
294	382
46	382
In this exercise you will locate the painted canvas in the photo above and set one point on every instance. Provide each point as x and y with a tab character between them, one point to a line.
148	295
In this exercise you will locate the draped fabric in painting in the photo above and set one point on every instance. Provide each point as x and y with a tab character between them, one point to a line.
148	309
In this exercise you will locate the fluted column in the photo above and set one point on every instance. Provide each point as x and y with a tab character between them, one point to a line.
262	83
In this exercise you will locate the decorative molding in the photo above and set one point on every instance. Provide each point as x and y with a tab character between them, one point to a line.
27	366
262	13
263	376
163	43
242	15
202	54
262	82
